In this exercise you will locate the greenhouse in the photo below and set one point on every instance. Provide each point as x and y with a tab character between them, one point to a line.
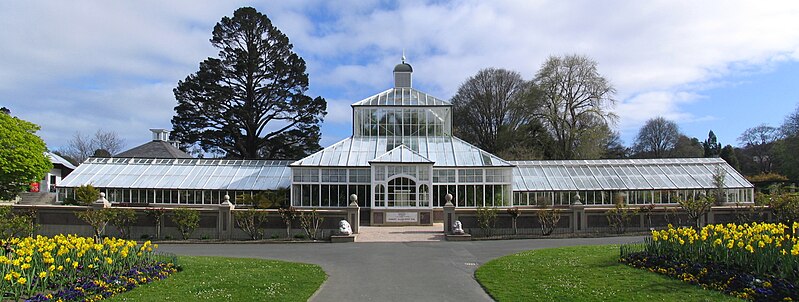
401	162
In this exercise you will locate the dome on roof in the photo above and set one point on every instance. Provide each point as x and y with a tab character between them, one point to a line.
403	67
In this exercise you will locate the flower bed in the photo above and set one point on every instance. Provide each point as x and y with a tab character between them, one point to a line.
72	268
758	261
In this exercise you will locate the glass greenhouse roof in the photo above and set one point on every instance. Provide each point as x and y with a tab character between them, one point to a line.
404	96
443	151
623	174
401	154
188	174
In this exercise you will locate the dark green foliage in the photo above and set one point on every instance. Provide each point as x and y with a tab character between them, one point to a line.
249	102
728	155
250	221
86	195
266	199
22	159
187	220
122	219
711	146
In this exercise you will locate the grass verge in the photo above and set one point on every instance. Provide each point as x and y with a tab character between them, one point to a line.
232	279
582	273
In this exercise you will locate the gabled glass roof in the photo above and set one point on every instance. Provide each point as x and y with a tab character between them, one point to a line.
188	174
403	96
623	174
443	151
401	154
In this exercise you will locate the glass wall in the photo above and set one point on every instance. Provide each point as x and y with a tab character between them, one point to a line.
634	197
330	187
159	196
401	121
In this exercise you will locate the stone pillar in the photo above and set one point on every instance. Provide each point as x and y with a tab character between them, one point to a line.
579	221
225	219
449	214
101	202
354	213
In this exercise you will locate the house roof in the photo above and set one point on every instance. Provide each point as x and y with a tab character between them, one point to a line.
443	151
58	160
154	149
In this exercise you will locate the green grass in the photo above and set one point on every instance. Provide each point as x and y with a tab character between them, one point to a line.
582	273
232	279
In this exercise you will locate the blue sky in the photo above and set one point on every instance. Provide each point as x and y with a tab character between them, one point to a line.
722	65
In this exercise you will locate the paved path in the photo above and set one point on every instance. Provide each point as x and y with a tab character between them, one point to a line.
406	271
434	232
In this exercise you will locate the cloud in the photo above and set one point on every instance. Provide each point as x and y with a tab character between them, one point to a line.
82	65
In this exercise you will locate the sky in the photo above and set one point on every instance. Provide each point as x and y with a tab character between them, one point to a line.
79	66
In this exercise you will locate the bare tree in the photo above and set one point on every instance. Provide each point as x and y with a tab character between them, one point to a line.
83	146
487	104
758	141
657	138
575	99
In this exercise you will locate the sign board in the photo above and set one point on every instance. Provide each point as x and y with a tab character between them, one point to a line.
402	217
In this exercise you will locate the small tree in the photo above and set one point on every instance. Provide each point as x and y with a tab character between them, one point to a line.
697	207
287	215
14	225
487	219
157	215
187	220
97	219
86	195
311	223
251	221
785	207
514	214
22	159
718	182
548	219
619	216
122	219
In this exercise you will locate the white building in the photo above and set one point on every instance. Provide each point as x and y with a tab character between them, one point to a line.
401	162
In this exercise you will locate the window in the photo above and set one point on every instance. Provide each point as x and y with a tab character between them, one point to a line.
401	192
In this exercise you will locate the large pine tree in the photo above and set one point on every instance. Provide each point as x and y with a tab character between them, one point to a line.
250	102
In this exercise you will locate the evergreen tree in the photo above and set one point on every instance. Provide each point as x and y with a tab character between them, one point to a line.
711	145
250	102
728	155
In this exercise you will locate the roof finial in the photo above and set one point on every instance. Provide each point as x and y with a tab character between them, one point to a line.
403	56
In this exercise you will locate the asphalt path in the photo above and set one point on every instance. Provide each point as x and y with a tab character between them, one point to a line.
397	271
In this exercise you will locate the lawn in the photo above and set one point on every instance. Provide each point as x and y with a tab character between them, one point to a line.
232	279
582	273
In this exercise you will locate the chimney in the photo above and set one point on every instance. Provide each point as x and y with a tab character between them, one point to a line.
160	134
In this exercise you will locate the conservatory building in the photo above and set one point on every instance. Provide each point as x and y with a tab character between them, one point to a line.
401	162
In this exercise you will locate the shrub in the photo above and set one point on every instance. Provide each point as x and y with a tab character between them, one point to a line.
785	207
311	223
122	219
548	219
86	195
13	225
97	219
619	216
187	220
287	215
514	214
250	221
487	219
157	215
696	208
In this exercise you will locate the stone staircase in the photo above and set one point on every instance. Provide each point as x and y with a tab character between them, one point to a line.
39	198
